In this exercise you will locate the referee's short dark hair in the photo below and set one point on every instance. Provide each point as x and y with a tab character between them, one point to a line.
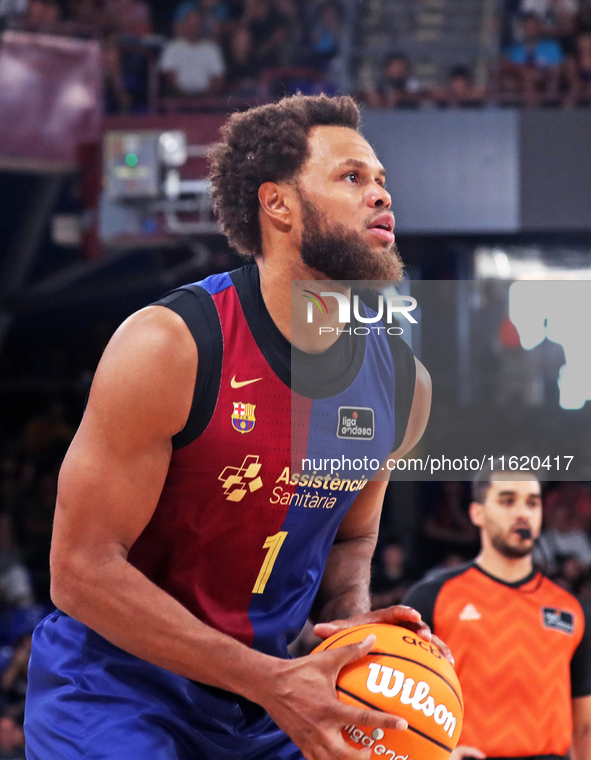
482	481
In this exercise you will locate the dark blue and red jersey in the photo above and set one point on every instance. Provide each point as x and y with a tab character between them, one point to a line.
241	533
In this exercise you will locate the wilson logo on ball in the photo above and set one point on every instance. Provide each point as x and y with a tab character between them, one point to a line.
392	683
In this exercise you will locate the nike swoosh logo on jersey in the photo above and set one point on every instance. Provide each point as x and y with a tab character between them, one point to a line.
235	384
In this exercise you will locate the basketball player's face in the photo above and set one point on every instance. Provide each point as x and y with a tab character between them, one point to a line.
347	227
510	507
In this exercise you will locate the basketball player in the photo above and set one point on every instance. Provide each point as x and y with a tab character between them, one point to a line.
187	550
521	642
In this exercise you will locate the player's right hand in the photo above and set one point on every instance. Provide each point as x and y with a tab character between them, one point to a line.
305	705
461	752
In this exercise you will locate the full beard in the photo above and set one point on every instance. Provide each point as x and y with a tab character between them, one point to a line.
509	551
341	254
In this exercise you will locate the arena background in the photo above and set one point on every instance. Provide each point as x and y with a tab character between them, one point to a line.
484	126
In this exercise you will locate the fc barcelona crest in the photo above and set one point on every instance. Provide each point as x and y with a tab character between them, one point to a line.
243	418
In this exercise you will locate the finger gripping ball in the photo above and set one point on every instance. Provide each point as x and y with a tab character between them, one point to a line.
406	676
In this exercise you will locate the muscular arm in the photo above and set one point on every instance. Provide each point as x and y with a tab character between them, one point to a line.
581	748
344	591
109	487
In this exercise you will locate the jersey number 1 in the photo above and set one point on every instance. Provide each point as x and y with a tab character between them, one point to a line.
273	544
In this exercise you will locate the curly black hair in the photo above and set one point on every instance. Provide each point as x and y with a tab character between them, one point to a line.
266	144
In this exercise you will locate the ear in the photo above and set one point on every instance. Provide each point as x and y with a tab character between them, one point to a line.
475	511
276	203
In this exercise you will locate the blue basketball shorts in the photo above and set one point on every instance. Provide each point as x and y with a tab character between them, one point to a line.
89	699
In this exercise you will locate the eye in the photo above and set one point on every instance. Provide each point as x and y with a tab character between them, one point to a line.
349	175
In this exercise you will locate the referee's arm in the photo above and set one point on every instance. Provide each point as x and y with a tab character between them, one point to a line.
581	693
581	748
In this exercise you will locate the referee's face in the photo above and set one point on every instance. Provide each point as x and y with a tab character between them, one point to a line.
511	516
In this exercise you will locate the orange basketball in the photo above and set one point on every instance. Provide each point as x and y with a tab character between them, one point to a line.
405	676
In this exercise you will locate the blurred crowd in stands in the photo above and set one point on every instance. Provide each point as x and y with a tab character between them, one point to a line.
29	465
544	59
247	50
242	49
546	53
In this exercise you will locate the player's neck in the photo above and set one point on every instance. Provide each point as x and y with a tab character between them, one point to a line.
287	306
506	569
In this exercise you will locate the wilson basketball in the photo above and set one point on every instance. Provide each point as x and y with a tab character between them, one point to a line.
406	676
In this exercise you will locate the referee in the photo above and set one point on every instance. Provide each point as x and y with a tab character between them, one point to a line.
522	644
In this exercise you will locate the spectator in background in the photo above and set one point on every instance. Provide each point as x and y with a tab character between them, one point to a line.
564	538
116	97
12	739
128	17
15	583
396	87
10	487
13	684
296	51
583	588
516	381
41	16
48	434
215	17
558	17
547	360
269	32
34	524
129	50
312	10
584	15
243	71
326	36
578	71
532	68
447	528
390	581
84	13
573	495
191	65
572	575
460	90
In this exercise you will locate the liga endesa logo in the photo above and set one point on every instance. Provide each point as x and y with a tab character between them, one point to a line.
388	305
368	739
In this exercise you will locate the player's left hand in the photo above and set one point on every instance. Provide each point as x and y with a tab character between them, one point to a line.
399	614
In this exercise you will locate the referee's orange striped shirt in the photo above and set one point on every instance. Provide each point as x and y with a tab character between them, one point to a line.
520	654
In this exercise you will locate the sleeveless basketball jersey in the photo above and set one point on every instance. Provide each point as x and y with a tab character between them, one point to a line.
240	536
522	652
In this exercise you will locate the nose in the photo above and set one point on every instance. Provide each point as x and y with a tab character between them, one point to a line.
378	197
523	511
